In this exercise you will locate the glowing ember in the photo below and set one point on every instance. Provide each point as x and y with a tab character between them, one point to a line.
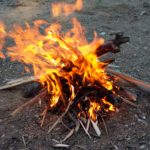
63	60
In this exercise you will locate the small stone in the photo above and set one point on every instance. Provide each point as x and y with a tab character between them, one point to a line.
142	146
144	117
103	33
3	136
128	138
143	13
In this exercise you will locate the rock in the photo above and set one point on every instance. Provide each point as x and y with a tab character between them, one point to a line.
142	145
103	33
143	13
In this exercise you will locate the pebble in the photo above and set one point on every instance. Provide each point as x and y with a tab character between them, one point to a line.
3	136
144	117
116	147
142	146
103	33
128	138
143	13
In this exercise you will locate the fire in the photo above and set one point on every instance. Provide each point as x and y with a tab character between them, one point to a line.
110	107
2	37
57	56
66	9
94	107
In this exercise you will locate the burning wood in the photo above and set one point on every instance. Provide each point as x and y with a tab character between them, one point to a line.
73	81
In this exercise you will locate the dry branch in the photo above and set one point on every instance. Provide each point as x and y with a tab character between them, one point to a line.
60	118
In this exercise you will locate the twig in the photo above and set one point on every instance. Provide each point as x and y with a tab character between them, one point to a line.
24	142
127	101
85	129
60	118
88	125
96	128
68	135
44	115
65	125
61	145
130	95
81	147
105	126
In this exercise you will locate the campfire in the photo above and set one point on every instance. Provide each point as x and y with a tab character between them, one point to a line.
74	82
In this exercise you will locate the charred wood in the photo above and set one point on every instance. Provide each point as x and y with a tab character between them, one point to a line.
113	45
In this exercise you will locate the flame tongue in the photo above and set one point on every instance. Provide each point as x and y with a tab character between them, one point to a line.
58	56
66	9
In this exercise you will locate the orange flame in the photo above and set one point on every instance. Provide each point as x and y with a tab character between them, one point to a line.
66	9
110	106
2	37
94	107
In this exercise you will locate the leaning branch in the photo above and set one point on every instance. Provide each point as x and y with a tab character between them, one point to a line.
139	84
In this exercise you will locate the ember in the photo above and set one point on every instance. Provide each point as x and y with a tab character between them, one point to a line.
74	80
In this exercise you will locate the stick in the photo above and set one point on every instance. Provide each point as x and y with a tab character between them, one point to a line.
68	135
130	95
60	118
128	101
85	129
139	84
30	103
96	128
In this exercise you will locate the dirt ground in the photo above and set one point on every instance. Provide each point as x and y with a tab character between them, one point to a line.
128	129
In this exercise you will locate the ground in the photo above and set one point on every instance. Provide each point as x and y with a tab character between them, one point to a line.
129	128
